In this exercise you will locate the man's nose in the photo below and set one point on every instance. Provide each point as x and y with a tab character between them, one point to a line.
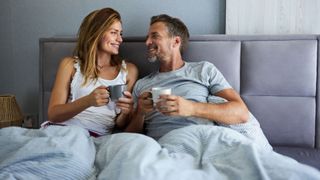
148	41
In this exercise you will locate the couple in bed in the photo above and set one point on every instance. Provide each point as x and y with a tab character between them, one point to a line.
200	93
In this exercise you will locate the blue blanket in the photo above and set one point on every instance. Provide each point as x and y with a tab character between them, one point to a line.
51	153
194	152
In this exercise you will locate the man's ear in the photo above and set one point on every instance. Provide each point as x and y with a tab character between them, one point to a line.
177	41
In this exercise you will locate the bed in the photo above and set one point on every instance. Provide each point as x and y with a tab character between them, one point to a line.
260	68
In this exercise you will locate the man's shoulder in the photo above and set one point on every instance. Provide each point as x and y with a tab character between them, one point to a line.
200	65
146	78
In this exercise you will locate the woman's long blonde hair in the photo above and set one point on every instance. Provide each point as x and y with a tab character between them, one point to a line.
90	33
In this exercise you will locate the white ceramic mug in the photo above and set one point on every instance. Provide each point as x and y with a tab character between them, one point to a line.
157	91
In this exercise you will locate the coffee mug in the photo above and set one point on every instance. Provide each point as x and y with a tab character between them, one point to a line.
116	91
157	91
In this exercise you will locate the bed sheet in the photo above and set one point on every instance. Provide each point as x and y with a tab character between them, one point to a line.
194	152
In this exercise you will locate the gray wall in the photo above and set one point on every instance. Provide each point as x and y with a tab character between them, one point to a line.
23	22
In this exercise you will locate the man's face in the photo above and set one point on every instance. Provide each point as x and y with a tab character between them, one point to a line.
159	43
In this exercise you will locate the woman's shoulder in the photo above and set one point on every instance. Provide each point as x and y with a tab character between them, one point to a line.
132	70
67	65
130	66
68	61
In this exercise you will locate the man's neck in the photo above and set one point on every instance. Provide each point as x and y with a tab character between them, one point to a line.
172	64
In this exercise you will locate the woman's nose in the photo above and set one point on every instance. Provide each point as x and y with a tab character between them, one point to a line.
119	38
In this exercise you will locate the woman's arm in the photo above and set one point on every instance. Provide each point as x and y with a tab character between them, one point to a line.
126	103
59	109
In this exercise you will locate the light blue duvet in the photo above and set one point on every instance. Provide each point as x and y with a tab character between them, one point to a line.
194	152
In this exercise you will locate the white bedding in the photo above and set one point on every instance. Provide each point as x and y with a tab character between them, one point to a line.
194	152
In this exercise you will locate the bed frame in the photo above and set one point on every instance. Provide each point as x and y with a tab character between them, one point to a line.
277	76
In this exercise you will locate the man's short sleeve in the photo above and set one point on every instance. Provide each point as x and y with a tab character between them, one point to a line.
217	82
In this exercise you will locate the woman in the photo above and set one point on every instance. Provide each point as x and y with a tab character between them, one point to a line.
80	94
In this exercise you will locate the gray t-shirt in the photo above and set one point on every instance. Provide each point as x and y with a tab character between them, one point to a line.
195	81
199	82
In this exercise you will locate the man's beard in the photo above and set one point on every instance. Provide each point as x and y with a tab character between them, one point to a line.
152	57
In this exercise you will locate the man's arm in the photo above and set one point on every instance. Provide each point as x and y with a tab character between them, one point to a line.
234	111
137	122
144	105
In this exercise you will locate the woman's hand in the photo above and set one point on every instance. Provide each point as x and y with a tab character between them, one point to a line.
125	103
99	96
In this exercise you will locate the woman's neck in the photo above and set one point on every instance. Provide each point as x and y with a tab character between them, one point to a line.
103	59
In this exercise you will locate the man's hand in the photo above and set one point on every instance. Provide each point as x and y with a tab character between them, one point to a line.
175	106
145	103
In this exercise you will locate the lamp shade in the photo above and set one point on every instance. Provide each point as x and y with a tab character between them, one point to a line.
10	113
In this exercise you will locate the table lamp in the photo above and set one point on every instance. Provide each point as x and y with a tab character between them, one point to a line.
10	113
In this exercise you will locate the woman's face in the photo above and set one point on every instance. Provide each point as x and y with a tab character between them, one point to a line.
111	39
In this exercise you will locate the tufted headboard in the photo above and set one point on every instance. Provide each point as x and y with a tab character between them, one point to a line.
277	76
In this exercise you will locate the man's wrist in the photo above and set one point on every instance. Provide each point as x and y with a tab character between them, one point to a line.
194	111
140	112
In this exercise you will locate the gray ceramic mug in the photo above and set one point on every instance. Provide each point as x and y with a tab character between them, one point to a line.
116	91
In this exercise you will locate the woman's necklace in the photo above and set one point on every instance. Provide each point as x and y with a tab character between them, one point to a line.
100	67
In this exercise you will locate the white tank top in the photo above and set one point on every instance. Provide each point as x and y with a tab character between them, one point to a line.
100	120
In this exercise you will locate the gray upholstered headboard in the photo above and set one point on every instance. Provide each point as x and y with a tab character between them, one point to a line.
277	76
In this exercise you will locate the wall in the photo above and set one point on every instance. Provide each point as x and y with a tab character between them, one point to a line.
272	17
23	22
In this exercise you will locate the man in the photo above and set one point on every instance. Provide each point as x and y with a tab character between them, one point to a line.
200	93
